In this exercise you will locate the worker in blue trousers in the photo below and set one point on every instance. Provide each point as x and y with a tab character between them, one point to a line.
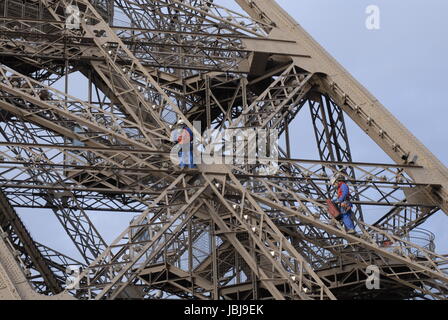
343	202
185	140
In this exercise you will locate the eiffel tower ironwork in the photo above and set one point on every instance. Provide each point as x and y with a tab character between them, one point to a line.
220	231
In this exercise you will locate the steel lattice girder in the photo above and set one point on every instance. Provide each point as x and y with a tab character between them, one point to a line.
196	60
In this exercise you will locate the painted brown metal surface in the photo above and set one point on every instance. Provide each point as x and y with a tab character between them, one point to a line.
221	231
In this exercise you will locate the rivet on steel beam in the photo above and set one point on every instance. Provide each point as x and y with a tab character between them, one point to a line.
395	146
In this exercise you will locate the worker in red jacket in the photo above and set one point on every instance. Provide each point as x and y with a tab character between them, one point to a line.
344	204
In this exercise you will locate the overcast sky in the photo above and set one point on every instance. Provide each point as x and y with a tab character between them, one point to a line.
404	64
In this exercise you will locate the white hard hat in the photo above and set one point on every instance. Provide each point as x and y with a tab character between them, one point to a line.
336	177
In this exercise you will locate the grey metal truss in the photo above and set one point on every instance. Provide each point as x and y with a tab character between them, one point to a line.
225	231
